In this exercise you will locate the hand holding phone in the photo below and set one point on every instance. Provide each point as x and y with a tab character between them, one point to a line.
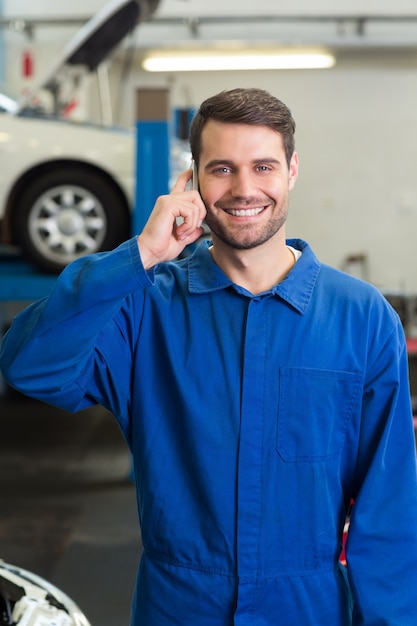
174	223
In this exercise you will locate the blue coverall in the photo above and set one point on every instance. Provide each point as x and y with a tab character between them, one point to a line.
253	421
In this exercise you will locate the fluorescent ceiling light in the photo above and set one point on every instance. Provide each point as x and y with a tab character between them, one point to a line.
206	61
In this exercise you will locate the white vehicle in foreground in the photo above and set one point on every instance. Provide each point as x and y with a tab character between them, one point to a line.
28	600
66	188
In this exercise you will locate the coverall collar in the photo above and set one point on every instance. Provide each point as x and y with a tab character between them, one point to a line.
296	289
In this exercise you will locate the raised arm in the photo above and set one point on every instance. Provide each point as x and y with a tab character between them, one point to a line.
52	342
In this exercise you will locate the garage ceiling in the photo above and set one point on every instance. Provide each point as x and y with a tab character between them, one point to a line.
388	36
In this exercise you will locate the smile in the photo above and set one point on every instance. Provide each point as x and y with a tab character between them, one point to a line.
245	212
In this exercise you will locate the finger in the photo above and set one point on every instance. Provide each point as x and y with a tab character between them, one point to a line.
191	237
182	180
192	215
187	227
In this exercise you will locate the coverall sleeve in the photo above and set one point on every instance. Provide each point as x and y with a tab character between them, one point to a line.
381	549
52	342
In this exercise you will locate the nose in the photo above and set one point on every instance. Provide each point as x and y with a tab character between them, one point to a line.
243	185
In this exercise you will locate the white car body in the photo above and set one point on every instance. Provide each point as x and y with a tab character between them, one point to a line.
67	188
27	144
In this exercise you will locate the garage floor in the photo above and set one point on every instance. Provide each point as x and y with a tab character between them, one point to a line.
68	510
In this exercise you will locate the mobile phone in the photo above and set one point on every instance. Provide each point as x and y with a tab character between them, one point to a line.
194	180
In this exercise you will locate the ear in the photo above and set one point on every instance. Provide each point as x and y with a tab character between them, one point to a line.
293	171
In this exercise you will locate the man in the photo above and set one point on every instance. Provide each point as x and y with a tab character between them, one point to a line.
260	392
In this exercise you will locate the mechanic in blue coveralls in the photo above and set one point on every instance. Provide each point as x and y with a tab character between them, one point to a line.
260	392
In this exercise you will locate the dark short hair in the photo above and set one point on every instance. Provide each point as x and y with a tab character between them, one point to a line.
244	106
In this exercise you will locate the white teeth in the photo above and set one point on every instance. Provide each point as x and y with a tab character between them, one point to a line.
245	212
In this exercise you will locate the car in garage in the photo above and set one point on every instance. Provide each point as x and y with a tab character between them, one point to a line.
66	188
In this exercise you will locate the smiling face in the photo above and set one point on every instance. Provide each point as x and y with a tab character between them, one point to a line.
244	182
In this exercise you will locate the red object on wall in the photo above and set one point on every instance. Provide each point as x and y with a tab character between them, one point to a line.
27	64
411	345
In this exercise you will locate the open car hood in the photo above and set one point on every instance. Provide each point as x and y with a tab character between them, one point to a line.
92	44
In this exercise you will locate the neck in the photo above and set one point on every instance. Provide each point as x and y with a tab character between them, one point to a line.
256	269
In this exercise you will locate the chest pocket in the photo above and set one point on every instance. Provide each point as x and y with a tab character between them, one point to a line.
313	412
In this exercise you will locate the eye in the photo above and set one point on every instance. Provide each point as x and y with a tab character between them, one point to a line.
263	168
224	169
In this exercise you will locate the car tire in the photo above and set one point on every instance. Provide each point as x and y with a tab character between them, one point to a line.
66	214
